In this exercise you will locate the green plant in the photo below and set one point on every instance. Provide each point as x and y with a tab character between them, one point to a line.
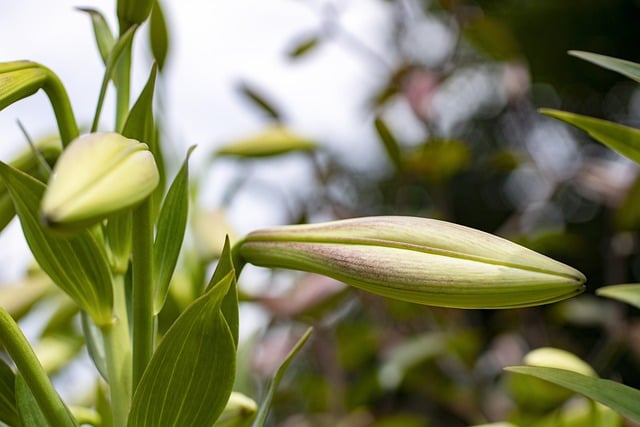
109	235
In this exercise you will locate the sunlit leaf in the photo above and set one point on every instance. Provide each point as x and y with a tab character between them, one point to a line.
619	397
259	100
8	410
623	139
191	373
629	293
77	264
626	68
158	35
263	411
172	224
102	32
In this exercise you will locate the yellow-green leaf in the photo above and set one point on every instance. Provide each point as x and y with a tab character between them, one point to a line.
629	293
626	68
623	139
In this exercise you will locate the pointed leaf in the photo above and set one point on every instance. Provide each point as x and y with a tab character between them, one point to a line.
158	35
95	344
304	47
190	376
172	224
272	141
78	265
8	409
619	397
389	141
629	293
230	301
623	139
102	32
30	413
261	417
626	68
117	233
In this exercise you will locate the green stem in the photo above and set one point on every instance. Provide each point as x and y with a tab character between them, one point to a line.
23	356
117	347
143	291
67	125
123	84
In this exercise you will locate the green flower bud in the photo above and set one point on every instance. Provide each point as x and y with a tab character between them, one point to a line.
418	260
133	12
272	141
97	175
239	412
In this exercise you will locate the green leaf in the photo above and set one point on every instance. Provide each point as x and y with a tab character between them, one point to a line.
619	397
304	47
8	409
30	413
261	417
257	99
158	35
190	376
102	32
95	344
230	302
171	227
629	293
389	141
117	233
626	68
623	139
272	141
78	264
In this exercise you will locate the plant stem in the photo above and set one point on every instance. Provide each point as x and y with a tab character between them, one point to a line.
143	292
22	354
117	346
61	108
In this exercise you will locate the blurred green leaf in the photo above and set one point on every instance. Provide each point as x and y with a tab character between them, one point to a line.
627	215
629	293
623	139
30	413
95	344
272	141
619	397
158	35
77	264
191	373
261	417
304	47
8	409
102	32
439	159
259	100
230	301
390	142
171	227
491	37
626	68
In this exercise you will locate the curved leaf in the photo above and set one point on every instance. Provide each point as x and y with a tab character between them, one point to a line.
629	293
102	32
626	68
619	397
78	265
8	409
623	139
190	376
30	413
230	302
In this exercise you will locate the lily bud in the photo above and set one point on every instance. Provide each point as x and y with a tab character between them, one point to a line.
239	412
419	260
133	12
97	175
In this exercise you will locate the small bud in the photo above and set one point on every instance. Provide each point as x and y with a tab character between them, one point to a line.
133	12
239	412
97	175
272	141
418	260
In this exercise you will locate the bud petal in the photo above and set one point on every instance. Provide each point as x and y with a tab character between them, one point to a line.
97	175
239	412
418	260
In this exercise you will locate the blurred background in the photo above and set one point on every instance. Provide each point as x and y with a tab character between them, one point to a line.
425	108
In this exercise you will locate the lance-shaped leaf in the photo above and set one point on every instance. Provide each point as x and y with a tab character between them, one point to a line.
626	68
230	301
191	373
272	141
418	260
623	139
629	293
102	32
158	35
30	413
97	175
78	265
172	224
389	141
256	98
619	397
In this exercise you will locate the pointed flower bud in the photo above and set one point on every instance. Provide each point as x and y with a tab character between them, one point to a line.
418	260
97	175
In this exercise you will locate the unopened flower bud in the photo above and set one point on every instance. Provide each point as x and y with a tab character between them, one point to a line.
239	412
97	175
418	260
